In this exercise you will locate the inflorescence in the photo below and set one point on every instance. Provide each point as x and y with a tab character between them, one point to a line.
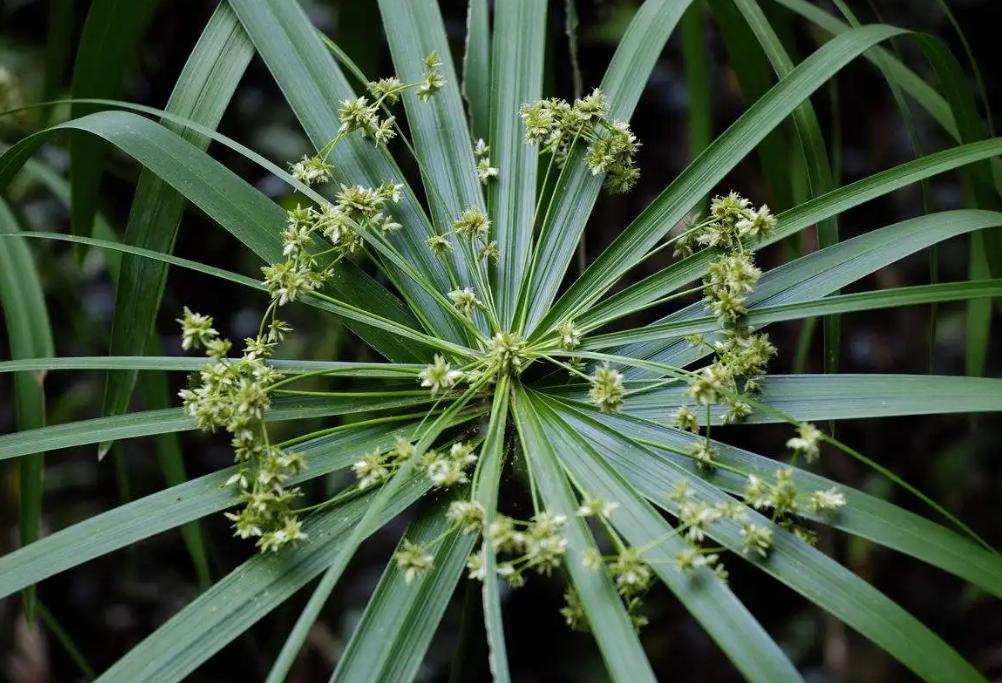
235	393
558	125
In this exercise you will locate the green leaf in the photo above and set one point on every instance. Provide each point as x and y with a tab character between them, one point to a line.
156	394
795	563
697	78
152	422
251	591
624	657
577	189
317	300
812	144
202	93
633	243
817	274
400	618
669	279
477	67
492	460
106	52
58	42
28	334
706	597
760	316
908	80
863	515
843	396
235	205
516	79
414	29
381	499
168	509
314	86
753	74
159	256
188	364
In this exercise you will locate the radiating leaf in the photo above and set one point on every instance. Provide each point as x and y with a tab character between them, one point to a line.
674	276
492	462
633	243
516	79
706	597
169	508
477	66
250	592
842	303
414	29
314	87
401	616
817	274
152	422
795	563
577	189
242	210
610	625
188	364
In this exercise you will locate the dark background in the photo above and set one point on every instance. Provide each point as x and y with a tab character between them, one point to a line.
111	603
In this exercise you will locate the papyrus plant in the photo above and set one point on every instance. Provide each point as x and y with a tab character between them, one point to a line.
492	361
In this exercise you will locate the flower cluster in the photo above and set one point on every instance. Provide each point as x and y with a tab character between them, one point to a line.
695	520
607	390
439	376
781	494
557	125
481	152
233	394
740	355
472	227
338	227
535	545
236	393
448	467
366	115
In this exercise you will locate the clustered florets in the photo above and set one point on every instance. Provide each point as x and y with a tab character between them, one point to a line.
365	115
740	355
341	224
236	393
472	227
481	152
607	390
233	394
557	125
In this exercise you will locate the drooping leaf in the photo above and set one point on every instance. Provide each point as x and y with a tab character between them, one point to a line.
106	52
202	93
28	334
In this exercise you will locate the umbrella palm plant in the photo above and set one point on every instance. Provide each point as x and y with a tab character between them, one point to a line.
491	361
